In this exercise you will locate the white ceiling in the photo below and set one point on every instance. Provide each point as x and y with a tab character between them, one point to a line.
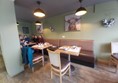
24	8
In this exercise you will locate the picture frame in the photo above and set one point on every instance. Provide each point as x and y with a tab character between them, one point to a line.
25	30
39	28
72	23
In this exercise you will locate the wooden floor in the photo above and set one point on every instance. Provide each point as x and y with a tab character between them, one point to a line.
82	74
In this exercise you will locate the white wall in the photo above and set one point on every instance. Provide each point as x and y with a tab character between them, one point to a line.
9	38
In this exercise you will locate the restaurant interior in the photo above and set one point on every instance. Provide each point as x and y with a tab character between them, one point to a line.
58	41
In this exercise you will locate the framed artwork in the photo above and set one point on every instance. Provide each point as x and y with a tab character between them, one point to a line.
25	30
39	28
72	23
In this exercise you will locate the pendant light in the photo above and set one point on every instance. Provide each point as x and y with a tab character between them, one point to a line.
38	23
17	23
39	12
81	10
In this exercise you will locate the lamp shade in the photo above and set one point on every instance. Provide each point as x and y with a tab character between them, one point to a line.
38	23
81	11
17	23
39	13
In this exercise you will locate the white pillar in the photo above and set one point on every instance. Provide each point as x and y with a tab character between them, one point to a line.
10	45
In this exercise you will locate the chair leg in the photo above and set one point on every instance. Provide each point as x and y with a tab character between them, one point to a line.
69	70
51	74
110	62
32	69
60	78
29	65
116	68
43	61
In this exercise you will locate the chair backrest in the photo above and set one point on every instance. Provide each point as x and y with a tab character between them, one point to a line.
54	58
114	47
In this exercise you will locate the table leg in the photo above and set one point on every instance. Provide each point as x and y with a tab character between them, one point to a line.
69	58
43	54
72	67
45	59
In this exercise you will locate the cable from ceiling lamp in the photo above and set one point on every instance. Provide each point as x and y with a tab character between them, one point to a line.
81	10
39	12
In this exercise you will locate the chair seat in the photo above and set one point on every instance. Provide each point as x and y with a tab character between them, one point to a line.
115	55
37	56
64	64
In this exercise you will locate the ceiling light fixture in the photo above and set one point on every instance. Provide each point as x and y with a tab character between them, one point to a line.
17	23
39	12
38	23
81	10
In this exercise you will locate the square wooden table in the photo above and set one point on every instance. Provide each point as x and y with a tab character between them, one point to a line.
69	50
41	47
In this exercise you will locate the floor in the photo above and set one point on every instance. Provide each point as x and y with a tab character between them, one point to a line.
82	74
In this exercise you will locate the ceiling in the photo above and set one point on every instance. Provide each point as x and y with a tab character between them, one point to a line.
24	8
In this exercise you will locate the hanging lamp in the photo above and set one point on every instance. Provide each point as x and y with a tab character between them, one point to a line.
17	23
81	10
39	12
38	23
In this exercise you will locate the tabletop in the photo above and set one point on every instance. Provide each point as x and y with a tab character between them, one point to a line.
41	46
71	50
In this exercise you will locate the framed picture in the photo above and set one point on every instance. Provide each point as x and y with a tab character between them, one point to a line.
39	28
72	23
25	30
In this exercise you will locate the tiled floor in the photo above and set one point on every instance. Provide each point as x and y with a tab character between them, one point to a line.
82	74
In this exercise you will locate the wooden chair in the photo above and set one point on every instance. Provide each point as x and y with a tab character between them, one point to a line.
34	58
58	66
114	54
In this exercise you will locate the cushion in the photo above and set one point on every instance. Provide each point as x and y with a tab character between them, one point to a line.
64	63
115	55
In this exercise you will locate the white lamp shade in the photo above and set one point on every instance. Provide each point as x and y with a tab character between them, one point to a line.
38	23
39	13
81	11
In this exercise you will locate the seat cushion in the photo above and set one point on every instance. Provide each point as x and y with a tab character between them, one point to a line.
64	63
115	55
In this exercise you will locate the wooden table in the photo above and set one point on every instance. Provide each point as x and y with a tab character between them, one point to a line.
41	47
68	50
